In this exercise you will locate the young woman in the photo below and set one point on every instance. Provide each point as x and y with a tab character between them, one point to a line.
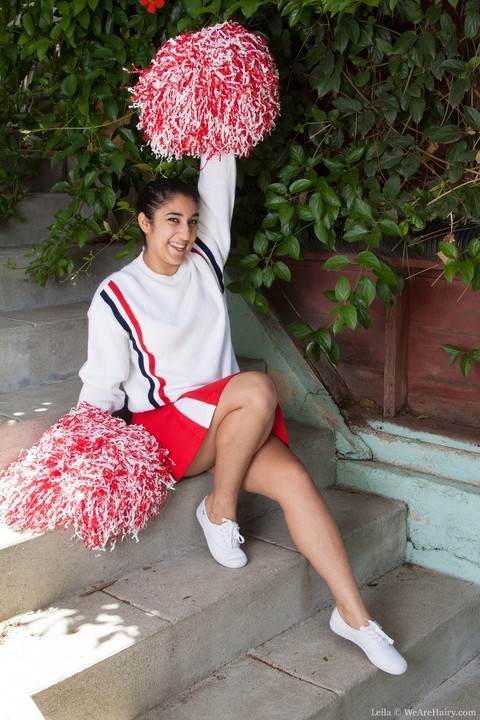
159	334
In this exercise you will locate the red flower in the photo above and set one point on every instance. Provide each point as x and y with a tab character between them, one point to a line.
152	5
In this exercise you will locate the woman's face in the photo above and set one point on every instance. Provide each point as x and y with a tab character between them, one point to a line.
170	235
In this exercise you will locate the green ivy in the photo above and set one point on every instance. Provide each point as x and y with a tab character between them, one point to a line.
465	357
379	134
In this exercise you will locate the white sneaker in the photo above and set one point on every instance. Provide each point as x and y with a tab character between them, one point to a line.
223	540
376	645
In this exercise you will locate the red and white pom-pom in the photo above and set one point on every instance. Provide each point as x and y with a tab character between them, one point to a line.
208	92
91	472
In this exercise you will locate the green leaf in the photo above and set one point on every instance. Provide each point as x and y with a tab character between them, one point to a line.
450	250
118	159
366	121
256	277
338	324
336	262
474	248
366	290
384	292
348	105
69	85
389	227
466	268
363	315
348	313
42	47
110	106
342	289
362	209
391	188
426	45
291	247
250	261
387	274
60	186
472	24
314	350
249	294
260	243
316	206
249	7
416	108
355	154
299	186
285	213
334	353
453	350
235	287
274	201
473	117
268	276
297	153
444	134
82	236
454	67
323	338
278	188
367	259
329	196
450	270
355	234
404	42
282	271
465	366
458	90
301	330
304	212
322	233
28	24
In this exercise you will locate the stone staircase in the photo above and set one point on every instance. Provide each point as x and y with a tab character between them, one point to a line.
156	630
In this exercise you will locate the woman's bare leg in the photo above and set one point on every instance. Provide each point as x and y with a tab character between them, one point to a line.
276	472
241	424
240	453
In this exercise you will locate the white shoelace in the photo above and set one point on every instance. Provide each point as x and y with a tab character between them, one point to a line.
376	633
231	534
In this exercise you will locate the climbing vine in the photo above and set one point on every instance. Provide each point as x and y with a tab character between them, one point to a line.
379	135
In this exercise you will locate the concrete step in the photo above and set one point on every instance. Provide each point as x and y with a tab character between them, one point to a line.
442	520
308	673
42	345
459	696
37	569
434	467
26	413
152	633
34	214
415	446
17	292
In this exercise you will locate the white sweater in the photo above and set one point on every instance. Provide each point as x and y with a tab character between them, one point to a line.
154	337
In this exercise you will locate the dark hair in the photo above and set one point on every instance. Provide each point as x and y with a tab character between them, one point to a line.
160	191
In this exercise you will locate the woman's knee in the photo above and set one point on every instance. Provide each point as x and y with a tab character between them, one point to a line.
259	392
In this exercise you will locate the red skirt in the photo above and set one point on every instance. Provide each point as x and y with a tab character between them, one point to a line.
181	426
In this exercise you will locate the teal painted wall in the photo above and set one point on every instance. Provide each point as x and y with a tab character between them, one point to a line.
437	478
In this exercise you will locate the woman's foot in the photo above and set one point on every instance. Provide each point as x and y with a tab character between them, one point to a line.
376	645
223	540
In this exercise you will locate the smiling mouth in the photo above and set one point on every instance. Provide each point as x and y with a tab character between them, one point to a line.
178	246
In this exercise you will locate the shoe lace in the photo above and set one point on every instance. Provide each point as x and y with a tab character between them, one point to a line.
231	534
376	633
